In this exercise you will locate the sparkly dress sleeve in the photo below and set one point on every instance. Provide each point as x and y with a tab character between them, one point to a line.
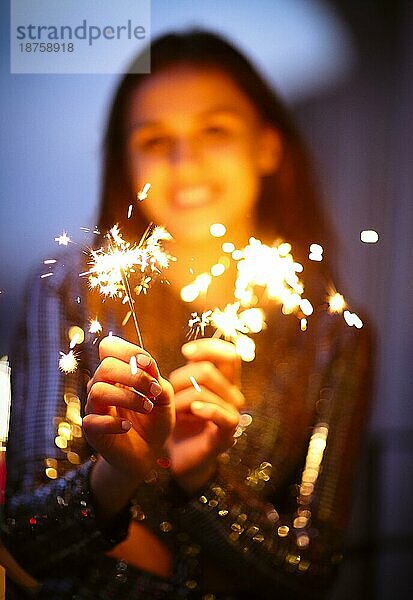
49	517
273	519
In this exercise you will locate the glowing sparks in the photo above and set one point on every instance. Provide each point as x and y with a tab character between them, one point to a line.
76	336
193	290
231	325
316	252
316	447
264	274
228	247
272	269
336	303
217	230
245	347
352	319
228	321
120	259
143	194
369	236
68	363
253	319
217	269
113	268
63	239
95	326
198	323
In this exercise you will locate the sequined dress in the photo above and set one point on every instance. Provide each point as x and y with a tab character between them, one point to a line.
271	522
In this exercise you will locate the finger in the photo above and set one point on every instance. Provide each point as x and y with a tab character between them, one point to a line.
123	350
186	397
104	424
115	371
220	352
103	395
206	375
224	420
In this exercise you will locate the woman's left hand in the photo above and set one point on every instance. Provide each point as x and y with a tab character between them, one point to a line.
207	409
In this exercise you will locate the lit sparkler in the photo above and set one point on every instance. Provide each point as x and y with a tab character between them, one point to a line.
113	268
95	326
269	271
336	302
143	193
264	273
197	323
68	362
63	239
232	325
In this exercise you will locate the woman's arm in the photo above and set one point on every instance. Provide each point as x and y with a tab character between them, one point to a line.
52	502
270	538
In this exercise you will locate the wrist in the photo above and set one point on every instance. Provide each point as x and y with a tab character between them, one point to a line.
111	488
196	479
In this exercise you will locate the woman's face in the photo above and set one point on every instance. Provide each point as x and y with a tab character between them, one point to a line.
198	140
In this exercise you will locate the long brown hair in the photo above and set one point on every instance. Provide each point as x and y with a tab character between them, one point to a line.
289	205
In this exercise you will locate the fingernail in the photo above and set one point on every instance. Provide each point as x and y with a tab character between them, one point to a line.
147	405
197	405
133	365
155	389
143	360
188	349
126	425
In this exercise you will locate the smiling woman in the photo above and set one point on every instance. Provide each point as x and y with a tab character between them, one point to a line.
230	479
204	157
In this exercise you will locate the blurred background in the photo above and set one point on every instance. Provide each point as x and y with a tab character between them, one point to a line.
346	69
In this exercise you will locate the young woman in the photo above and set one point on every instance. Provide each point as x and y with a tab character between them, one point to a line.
142	507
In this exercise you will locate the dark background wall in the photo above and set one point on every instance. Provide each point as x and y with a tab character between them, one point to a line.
361	134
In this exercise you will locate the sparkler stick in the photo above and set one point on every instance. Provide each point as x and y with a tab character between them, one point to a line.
131	303
112	268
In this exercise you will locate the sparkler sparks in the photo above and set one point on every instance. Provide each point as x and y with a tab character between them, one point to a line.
68	362
269	271
76	336
264	273
143	194
231	325
198	323
316	252
113	268
63	239
369	236
336	303
95	326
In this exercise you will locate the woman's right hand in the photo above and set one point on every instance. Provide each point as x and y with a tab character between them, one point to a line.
129	411
208	413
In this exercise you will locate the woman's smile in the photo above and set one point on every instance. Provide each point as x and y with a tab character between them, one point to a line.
192	196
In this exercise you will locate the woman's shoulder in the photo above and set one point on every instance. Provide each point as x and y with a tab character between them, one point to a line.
65	268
